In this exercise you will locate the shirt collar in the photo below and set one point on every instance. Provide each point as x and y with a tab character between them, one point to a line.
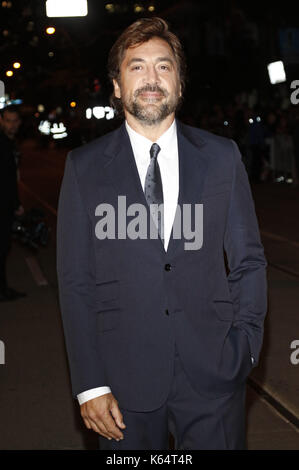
165	141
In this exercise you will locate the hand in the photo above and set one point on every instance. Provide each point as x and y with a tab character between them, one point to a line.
20	210
96	415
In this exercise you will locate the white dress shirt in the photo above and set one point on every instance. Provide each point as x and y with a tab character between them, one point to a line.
169	167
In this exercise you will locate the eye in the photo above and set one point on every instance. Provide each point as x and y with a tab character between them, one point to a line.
136	67
164	67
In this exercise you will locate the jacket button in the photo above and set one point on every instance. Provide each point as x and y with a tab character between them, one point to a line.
166	312
167	267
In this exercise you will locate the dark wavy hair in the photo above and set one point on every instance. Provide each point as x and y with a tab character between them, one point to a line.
11	108
137	33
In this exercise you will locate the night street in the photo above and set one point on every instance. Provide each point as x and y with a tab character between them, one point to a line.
149	226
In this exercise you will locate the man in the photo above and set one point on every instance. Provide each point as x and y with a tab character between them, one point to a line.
9	198
159	338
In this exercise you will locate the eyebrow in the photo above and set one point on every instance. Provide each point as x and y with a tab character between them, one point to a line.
159	59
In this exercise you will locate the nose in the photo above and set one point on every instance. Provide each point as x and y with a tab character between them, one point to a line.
152	76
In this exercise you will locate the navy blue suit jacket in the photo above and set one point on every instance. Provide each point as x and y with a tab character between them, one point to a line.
123	310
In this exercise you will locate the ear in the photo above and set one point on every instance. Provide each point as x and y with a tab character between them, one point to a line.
117	92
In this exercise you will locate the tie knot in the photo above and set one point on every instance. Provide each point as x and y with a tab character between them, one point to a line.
154	150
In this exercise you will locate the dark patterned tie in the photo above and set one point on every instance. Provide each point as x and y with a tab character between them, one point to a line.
153	188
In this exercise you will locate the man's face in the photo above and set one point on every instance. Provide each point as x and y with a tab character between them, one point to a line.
149	85
10	123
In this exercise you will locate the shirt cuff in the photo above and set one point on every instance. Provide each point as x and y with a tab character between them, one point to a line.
92	393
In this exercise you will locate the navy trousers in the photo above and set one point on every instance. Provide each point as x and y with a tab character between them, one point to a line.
195	422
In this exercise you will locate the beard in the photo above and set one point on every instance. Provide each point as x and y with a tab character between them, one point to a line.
153	110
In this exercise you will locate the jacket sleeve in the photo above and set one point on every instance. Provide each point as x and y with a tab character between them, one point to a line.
246	260
76	283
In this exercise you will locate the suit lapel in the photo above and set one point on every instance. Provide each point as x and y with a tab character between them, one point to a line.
122	172
193	165
121	168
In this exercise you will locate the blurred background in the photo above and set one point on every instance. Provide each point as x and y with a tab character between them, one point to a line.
55	68
243	83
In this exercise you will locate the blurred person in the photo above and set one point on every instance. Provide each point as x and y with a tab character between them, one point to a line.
9	197
159	337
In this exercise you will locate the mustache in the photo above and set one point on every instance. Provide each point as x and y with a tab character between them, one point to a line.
151	88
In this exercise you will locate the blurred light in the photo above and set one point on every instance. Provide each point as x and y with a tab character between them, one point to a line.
151	8
55	8
251	121
58	110
2	101
41	108
73	104
110	112
58	131
289	180
51	54
279	179
45	127
16	65
100	112
58	128
50	30
8	102
276	72
36	115
110	7
5	32
9	73
2	91
3	98
138	8
60	136
258	119
225	123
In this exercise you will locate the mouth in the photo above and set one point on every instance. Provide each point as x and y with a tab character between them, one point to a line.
151	96
151	93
